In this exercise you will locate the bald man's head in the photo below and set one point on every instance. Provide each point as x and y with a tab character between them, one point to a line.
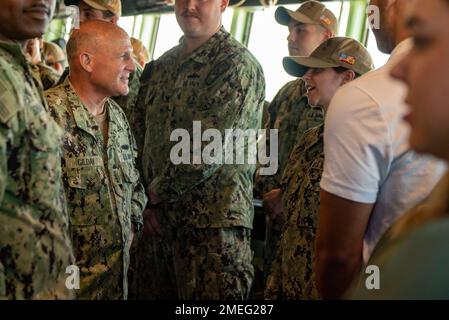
91	36
100	52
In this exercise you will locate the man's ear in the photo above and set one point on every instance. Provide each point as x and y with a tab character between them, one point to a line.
348	76
86	61
327	35
114	20
223	5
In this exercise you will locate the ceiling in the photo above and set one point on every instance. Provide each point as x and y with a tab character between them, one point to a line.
134	7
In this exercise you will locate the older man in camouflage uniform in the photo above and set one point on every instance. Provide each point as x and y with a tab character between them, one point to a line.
292	275
35	246
110	11
289	112
105	197
204	211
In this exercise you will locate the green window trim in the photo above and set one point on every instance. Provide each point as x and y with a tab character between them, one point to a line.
357	21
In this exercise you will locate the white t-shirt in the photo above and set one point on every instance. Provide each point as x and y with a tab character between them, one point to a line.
367	155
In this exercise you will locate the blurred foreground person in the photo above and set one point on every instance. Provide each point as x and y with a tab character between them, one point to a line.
371	176
413	257
35	246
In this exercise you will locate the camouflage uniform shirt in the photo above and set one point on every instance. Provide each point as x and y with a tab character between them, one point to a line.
291	114
222	85
103	191
291	275
35	246
47	76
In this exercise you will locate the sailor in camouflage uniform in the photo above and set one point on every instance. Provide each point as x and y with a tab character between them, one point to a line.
292	275
289	112
204	211
35	246
45	76
105	196
110	11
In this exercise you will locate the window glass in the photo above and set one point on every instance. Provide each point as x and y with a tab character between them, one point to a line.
379	58
127	23
168	35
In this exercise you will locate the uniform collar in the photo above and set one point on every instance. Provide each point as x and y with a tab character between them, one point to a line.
208	49
15	50
83	118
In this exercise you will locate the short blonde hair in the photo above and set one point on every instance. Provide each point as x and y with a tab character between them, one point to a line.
140	53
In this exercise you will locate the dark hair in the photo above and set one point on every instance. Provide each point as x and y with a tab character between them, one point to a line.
340	70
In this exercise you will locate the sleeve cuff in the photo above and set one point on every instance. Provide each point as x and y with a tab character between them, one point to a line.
343	191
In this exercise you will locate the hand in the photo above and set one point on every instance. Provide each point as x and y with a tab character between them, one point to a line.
151	224
272	202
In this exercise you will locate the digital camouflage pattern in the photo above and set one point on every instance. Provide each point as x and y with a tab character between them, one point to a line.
103	191
35	246
47	76
292	275
222	85
291	114
213	264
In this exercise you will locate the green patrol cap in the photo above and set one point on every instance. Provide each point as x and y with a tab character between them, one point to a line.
310	12
332	53
115	6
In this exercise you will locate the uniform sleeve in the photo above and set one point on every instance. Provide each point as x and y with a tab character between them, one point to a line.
137	113
357	146
235	92
264	184
3	163
139	198
9	103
